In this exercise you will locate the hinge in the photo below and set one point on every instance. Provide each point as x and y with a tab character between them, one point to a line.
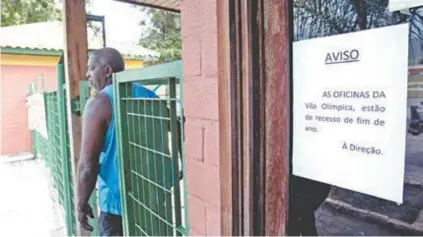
75	106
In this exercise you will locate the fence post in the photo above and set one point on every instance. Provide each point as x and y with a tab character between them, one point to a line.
175	148
123	90
61	103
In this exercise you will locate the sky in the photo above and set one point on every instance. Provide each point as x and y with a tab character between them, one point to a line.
122	20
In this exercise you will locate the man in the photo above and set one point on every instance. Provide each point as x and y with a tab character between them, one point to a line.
98	158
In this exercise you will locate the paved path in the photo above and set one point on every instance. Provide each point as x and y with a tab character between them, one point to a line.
26	203
414	160
414	155
331	222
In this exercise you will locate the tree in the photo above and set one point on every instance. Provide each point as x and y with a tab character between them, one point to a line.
163	34
16	12
318	18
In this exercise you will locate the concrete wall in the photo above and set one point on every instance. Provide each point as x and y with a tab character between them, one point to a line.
14	84
200	72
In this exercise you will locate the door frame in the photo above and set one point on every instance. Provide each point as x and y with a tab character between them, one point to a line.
254	87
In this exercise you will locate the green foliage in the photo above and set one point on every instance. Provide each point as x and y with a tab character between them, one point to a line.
163	34
16	12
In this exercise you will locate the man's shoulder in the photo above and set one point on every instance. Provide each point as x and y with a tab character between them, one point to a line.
98	103
99	98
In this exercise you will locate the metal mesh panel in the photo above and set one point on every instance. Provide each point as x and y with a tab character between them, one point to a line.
53	131
56	155
150	158
59	155
67	158
40	146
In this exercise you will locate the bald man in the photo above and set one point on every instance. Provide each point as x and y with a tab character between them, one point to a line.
98	158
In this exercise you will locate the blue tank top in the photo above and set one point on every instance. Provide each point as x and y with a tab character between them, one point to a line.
108	177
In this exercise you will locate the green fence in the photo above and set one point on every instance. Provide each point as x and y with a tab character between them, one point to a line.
55	149
150	152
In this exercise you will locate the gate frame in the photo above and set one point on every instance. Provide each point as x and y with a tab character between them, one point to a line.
61	103
167	72
254	53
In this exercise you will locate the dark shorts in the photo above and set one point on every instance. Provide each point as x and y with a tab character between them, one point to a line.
110	225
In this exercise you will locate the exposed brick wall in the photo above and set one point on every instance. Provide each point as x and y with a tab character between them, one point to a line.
14	84
199	55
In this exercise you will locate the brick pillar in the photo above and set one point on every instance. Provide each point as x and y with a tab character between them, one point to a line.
199	55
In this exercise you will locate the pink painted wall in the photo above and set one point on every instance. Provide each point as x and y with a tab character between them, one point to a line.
14	84
200	74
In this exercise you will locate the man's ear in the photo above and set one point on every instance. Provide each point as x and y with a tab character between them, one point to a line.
109	71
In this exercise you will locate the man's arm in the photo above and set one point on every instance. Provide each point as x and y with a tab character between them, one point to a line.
97	113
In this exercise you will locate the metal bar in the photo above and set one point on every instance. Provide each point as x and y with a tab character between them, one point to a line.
150	5
148	168
185	228
150	150
98	18
174	134
135	153
84	94
153	75
163	132
42	84
150	181
139	227
150	99
156	230
121	89
148	116
151	211
144	165
156	88
101	19
103	25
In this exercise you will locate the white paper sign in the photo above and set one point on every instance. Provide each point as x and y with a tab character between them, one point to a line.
396	5
350	95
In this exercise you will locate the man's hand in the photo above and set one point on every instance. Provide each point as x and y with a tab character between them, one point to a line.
83	214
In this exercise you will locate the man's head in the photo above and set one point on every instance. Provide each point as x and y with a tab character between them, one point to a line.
101	65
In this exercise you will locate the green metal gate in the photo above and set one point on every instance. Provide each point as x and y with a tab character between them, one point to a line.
150	152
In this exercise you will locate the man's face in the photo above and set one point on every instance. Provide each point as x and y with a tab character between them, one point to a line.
97	73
